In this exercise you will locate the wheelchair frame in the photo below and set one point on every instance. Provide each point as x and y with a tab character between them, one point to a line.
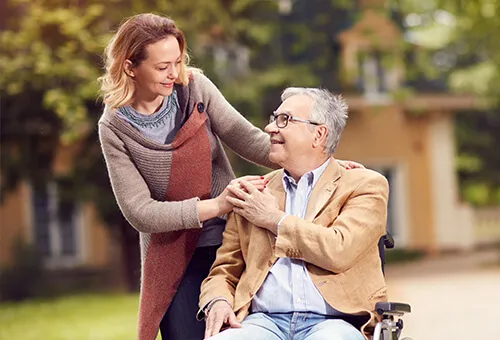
389	328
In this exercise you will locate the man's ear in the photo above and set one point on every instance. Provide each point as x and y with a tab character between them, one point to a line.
320	135
128	67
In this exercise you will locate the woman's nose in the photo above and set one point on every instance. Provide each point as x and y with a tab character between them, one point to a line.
174	74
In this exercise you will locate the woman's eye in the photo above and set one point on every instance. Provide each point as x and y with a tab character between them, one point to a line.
162	68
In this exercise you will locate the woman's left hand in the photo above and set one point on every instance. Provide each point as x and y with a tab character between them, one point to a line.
348	165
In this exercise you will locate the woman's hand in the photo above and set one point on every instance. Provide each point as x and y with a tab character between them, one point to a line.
223	204
348	165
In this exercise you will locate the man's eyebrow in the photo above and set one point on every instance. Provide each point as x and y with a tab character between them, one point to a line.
277	113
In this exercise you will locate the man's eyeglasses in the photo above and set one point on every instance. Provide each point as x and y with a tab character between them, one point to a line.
282	120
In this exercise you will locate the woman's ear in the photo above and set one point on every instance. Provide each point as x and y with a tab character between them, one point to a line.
128	67
320	134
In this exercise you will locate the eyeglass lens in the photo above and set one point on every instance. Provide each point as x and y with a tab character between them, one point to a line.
281	119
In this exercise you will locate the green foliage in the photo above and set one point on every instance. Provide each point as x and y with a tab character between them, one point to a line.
54	50
478	163
402	94
465	32
80	317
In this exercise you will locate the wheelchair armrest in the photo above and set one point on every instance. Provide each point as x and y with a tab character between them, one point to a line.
392	308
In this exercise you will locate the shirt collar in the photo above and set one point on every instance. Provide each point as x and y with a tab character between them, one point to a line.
311	176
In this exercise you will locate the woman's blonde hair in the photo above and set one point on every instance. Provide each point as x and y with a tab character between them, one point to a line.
130	42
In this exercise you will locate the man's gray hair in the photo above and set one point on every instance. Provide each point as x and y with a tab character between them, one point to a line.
328	109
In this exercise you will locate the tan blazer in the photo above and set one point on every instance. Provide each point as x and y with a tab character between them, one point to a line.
345	218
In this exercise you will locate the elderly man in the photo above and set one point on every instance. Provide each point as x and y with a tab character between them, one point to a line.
300	259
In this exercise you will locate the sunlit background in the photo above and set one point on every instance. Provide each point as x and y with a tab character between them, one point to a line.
421	78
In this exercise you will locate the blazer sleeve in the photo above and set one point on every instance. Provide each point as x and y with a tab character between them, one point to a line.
227	268
134	197
357	228
232	128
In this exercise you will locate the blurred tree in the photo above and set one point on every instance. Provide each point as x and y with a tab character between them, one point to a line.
460	37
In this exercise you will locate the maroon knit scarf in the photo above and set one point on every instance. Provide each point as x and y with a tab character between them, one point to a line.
168	254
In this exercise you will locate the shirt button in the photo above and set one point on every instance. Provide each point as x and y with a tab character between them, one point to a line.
200	107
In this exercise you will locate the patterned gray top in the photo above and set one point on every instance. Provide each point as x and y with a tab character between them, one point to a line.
161	126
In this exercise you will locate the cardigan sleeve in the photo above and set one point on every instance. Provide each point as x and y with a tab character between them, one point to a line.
232	128
134	197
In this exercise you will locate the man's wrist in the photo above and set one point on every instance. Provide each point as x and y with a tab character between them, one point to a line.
281	219
209	305
273	221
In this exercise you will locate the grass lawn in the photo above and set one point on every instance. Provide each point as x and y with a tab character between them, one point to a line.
89	317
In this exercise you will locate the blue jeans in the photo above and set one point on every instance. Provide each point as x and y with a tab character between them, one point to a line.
291	326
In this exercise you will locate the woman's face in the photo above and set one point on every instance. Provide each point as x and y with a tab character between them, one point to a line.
155	76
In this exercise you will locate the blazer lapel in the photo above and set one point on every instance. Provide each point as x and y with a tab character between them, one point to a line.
275	185
323	190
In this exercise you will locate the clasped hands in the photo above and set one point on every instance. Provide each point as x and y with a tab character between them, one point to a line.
249	197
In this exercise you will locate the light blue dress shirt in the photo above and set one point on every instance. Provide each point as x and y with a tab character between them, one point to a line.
288	286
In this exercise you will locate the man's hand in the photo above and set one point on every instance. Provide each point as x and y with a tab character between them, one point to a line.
259	208
220	314
223	204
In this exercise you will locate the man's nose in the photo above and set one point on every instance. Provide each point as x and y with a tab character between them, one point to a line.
271	128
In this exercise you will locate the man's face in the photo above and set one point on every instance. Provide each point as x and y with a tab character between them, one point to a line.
293	144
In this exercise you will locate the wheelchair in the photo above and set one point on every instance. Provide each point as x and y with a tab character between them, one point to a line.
389	328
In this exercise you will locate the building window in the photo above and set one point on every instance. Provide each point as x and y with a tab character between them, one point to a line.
55	226
372	77
397	208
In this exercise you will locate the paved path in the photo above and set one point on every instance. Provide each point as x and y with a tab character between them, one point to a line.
456	297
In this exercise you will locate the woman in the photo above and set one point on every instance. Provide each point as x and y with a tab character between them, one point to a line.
161	134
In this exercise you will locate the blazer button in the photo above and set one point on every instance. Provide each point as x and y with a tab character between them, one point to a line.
201	107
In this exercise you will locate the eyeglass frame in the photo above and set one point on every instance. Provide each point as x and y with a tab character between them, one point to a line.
274	118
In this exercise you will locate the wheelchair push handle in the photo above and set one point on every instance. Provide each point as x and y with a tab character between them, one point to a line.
388	241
